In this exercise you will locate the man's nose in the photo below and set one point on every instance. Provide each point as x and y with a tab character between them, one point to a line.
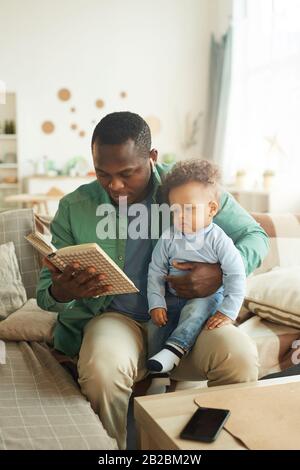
116	184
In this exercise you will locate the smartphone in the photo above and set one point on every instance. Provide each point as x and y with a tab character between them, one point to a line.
205	424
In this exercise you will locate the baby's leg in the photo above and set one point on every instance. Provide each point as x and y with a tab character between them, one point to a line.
166	359
158	335
167	355
192	319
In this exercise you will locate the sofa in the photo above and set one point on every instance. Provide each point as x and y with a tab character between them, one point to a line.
45	409
42	407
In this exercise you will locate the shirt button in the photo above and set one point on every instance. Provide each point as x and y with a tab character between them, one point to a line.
120	257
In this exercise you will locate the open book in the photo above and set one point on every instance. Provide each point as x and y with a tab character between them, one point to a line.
87	254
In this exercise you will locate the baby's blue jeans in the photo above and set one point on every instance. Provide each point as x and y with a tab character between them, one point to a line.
186	318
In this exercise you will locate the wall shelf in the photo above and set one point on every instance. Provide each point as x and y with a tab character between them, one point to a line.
9	185
8	165
8	136
8	145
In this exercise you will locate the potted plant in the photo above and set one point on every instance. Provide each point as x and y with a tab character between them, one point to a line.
268	179
240	178
169	158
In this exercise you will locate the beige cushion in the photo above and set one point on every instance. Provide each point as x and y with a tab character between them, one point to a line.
275	344
275	296
14	226
12	291
284	233
29	323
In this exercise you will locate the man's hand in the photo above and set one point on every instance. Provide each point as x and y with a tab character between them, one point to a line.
159	316
73	284
217	320
201	279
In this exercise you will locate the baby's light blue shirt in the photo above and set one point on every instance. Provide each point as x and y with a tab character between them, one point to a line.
208	245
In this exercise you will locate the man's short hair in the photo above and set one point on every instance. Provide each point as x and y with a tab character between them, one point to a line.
117	128
200	171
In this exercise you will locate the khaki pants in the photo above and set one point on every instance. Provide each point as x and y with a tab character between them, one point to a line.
113	354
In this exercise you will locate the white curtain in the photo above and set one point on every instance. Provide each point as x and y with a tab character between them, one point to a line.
262	130
219	86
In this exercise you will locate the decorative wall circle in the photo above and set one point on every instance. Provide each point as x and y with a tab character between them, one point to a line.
64	94
99	104
123	94
48	127
72	110
81	134
73	126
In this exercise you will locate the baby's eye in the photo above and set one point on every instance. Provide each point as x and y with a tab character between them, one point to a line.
176	211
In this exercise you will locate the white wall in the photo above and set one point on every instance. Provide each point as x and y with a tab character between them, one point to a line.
157	51
220	14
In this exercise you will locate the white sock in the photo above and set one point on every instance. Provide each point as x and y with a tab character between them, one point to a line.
166	359
159	384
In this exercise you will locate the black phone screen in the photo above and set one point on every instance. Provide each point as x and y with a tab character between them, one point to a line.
205	424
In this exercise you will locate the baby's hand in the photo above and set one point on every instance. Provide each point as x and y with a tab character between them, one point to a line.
159	316
217	320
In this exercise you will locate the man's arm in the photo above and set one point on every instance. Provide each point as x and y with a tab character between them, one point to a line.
61	237
56	291
247	235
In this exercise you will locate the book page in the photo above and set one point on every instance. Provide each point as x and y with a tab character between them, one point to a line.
39	243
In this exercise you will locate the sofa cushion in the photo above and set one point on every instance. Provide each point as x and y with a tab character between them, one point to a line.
275	296
29	323
284	233
14	225
12	291
276	344
42	407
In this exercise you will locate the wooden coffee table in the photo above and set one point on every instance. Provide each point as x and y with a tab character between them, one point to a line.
160	418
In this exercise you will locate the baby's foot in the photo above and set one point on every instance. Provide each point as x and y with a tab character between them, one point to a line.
166	359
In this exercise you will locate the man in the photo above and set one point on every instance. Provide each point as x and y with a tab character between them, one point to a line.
109	332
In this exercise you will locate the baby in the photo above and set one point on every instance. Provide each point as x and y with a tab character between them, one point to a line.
193	192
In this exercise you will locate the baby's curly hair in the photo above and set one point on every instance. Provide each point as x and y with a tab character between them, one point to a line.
201	171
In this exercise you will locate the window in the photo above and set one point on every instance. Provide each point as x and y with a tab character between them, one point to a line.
264	107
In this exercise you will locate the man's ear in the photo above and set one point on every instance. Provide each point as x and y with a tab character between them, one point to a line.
213	208
153	155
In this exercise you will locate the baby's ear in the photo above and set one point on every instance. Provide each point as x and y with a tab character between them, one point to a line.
214	207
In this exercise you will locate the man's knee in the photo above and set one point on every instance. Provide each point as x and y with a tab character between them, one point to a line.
222	356
106	367
101	364
233	356
243	361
